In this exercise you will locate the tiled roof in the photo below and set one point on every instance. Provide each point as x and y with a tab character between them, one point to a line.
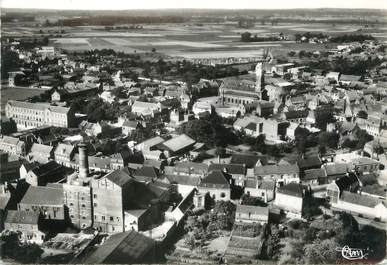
183	180
41	148
277	169
266	185
192	167
347	181
314	173
38	106
22	217
335	169
9	140
130	124
256	210
296	114
310	162
41	195
127	247
64	149
178	143
249	160
146	171
47	168
362	200
119	177
230	168
216	178
153	141
292	189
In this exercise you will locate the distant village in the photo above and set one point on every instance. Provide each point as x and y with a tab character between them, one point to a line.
143	161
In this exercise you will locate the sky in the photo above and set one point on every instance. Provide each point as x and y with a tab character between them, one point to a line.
213	4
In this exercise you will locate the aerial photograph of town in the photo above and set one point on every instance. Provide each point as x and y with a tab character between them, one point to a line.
193	132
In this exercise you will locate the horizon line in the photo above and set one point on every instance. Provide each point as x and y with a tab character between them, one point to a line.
194	8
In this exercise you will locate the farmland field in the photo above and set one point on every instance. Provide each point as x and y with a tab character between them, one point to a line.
190	40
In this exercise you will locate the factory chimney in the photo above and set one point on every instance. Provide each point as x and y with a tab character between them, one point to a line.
83	160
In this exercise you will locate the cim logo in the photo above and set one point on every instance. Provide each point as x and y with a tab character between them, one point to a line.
352	253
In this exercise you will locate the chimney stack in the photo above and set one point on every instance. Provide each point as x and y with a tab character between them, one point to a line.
83	160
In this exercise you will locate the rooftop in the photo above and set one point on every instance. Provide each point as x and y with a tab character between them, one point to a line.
292	189
126	247
178	143
22	217
42	195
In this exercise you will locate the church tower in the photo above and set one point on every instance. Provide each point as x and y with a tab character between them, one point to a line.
259	79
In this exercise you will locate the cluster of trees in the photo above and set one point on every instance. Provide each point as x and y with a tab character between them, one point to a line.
7	126
202	226
247	37
361	138
316	242
346	65
327	140
337	39
12	248
209	130
307	36
96	109
258	144
9	61
351	38
108	28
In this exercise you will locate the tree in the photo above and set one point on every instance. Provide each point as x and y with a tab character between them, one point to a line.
320	252
328	139
273	244
363	138
9	62
362	114
8	126
12	248
291	53
246	36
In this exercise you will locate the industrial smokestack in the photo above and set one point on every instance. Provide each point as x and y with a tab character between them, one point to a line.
83	160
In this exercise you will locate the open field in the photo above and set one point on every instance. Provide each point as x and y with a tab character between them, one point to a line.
188	39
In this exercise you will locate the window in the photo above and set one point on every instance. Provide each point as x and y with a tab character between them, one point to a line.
83	205
95	205
103	218
222	195
111	218
95	196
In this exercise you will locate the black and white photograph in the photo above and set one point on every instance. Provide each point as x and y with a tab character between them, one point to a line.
193	132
